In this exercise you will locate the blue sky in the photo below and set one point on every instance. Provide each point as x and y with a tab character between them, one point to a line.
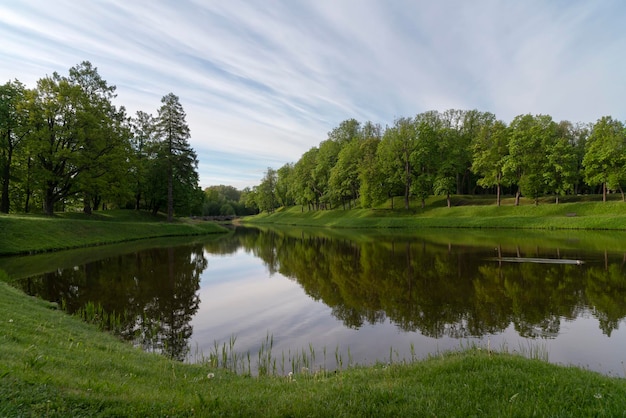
263	81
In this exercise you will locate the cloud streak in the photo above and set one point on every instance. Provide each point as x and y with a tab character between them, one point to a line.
262	82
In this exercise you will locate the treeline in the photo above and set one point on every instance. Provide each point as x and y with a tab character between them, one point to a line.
64	145
451	152
225	200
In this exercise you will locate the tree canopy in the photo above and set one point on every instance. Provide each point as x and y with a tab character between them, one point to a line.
454	152
65	144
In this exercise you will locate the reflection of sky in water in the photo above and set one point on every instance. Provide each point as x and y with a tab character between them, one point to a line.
239	297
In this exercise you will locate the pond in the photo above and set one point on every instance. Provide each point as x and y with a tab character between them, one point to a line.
331	298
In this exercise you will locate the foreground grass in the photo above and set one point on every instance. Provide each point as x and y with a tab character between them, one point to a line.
24	234
466	213
55	365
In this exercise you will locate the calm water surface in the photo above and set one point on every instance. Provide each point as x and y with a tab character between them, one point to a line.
361	296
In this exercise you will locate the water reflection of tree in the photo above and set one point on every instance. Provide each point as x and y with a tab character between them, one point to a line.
606	291
441	290
154	292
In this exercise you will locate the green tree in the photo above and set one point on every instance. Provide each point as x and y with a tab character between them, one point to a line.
249	198
77	138
530	137
305	183
471	125
13	129
327	156
143	131
561	169
344	177
218	200
284	185
179	158
425	157
489	150
370	178
395	157
605	156
104	134
266	192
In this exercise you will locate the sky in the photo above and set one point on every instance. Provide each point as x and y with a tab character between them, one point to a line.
263	81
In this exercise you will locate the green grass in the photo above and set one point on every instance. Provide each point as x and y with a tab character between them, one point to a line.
467	212
27	234
55	365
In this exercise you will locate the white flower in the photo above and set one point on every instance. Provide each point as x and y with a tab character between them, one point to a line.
10	321
210	375
598	396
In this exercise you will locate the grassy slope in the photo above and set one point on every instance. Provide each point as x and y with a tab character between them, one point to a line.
466	214
55	365
21	234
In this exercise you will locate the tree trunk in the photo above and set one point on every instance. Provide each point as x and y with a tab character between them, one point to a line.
604	192
28	192
96	201
6	177
48	203
87	204
407	184
517	196
498	187
170	195
448	200
27	201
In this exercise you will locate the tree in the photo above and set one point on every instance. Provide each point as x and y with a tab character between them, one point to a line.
179	158
489	150
284	185
104	133
426	157
473	122
530	137
249	197
142	141
54	138
266	192
395	157
605	156
561	168
370	179
344	176
77	138
13	129
305	186
327	156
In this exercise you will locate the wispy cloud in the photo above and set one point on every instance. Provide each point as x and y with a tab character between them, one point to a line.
262	82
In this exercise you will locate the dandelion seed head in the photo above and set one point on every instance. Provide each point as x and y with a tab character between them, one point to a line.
598	396
210	375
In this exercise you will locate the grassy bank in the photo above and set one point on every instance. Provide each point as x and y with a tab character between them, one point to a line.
24	234
55	365
466	213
